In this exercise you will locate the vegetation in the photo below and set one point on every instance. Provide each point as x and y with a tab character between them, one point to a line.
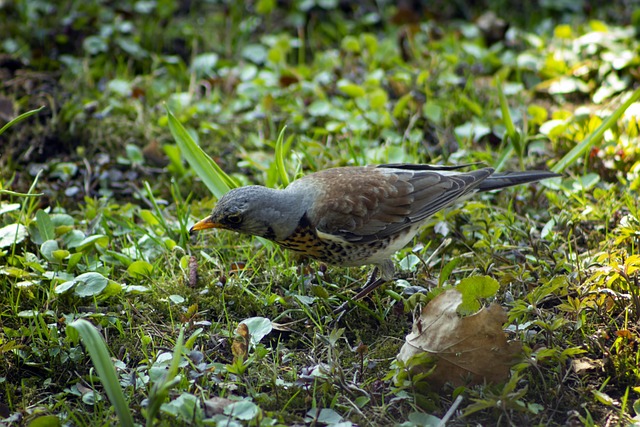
99	188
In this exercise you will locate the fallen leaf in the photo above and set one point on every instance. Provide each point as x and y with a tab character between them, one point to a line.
468	350
586	364
216	406
240	346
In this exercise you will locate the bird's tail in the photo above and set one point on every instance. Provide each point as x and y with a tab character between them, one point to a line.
508	179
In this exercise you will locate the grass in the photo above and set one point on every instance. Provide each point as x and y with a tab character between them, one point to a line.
96	201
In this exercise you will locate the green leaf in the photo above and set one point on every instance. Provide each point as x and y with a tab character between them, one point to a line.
60	254
351	44
432	111
378	98
45	226
90	284
258	327
425	420
102	361
603	398
91	241
185	408
242	410
474	288
173	153
64	287
12	233
161	388
323	416
140	269
447	270
204	64
48	248
45	421
209	172
351	89
402	104
9	207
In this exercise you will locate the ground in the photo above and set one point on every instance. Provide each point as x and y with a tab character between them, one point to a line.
99	188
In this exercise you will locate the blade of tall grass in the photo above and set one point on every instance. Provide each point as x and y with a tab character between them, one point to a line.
160	390
282	172
216	180
514	139
596	136
102	361
20	118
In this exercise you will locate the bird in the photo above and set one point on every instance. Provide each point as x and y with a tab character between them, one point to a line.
355	215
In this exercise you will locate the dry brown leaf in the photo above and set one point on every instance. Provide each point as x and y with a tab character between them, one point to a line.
240	346
586	364
216	405
468	350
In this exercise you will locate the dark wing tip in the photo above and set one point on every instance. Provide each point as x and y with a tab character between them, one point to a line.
508	179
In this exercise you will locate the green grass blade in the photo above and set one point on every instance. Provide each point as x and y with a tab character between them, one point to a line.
160	390
513	138
579	150
20	118
216	180
282	171
506	114
102	361
504	156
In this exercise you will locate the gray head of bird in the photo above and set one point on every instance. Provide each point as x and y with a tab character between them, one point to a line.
254	210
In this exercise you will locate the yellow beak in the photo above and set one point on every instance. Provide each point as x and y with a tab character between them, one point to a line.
204	224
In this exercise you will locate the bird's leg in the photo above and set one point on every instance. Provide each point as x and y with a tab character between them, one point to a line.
373	281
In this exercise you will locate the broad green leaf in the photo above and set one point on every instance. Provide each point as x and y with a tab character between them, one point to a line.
91	241
12	233
45	226
258	327
8	207
48	248
73	238
432	111
45	421
242	410
14	272
60	254
351	89
425	420
185	408
351	44
474	288
90	284
140	269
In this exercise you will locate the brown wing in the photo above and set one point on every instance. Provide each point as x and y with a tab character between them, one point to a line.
361	204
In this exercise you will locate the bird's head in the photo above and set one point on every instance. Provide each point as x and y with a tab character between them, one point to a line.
247	210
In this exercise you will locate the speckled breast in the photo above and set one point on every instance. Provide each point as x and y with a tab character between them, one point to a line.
306	241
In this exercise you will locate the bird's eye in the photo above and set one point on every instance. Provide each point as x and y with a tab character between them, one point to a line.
234	219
